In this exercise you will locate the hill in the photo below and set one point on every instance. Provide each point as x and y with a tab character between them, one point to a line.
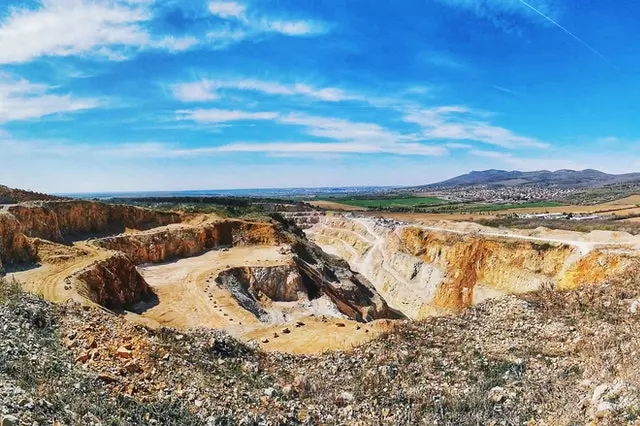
561	178
13	196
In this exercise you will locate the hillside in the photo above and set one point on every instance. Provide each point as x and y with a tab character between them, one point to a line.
561	178
13	196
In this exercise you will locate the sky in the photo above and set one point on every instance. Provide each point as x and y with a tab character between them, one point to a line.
132	95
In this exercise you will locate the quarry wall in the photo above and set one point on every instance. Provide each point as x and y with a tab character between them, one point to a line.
423	272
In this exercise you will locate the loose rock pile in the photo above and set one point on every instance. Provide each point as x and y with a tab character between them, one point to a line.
541	359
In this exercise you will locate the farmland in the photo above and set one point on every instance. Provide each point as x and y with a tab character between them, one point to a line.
389	203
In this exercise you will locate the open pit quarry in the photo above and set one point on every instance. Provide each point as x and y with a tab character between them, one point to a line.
338	284
443	267
256	280
195	319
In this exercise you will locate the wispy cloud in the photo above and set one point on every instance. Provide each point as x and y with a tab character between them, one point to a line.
444	60
528	164
222	116
242	23
503	13
504	90
345	136
162	150
23	100
324	127
227	9
338	129
205	90
461	123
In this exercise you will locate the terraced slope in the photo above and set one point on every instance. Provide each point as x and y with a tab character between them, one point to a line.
429	270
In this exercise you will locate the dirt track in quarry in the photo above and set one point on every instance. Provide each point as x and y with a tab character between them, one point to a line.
48	279
189	297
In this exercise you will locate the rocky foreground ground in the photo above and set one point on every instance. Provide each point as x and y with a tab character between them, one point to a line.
541	359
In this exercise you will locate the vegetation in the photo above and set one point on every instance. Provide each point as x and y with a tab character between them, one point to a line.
389	202
227	207
433	204
569	225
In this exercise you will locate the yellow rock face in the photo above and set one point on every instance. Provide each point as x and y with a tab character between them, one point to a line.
423	272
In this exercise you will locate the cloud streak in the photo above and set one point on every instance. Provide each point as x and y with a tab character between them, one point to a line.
206	90
23	100
462	124
253	24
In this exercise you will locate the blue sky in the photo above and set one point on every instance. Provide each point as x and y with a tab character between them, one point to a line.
117	95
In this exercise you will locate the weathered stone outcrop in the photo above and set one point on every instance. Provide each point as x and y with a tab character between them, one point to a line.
113	283
423	272
173	242
255	287
352	293
14	245
58	220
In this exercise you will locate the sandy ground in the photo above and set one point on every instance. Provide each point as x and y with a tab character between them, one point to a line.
187	292
631	200
188	297
318	335
48	279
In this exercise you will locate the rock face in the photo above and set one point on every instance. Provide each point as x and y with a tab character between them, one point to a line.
14	245
423	272
113	283
256	287
353	294
159	245
58	220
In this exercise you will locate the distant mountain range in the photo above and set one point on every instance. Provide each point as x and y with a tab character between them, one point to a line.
561	178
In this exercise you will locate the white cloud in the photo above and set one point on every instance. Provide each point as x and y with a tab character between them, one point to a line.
227	9
335	147
346	136
105	28
221	38
529	164
22	100
292	28
334	128
198	91
324	127
460	123
456	145
254	25
175	44
222	116
208	90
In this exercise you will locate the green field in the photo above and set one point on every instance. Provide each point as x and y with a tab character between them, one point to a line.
386	203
